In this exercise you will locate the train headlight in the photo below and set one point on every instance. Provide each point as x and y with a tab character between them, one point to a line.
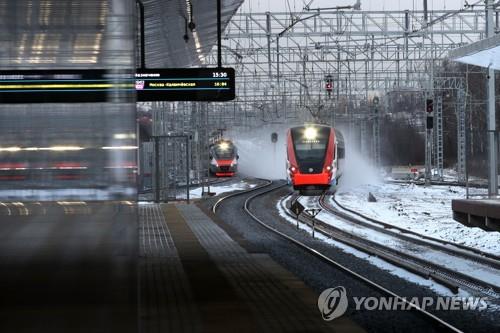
310	133
329	168
224	146
214	162
293	169
234	162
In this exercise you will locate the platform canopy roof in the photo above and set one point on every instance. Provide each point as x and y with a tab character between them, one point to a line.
166	26
73	33
484	53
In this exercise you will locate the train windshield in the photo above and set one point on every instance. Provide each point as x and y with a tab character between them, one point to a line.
224	151
310	145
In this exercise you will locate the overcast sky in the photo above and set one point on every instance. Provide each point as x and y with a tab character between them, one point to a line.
297	5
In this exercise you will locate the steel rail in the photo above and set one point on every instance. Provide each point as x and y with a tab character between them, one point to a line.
443	275
440	322
440	244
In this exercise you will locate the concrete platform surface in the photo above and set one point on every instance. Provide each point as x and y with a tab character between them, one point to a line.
118	267
196	278
68	267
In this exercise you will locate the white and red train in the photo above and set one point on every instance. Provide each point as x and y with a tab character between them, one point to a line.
223	159
315	158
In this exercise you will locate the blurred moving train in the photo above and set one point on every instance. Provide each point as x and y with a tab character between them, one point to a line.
315	158
223	159
68	151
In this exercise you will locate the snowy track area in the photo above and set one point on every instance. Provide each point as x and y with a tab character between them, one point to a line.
425	210
471	268
220	189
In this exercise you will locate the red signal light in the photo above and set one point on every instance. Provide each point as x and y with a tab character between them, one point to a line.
429	104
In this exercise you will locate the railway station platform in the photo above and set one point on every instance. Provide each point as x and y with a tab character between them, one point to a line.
121	267
196	278
482	213
68	266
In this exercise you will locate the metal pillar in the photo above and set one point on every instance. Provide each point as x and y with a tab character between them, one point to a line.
492	137
376	137
278	67
188	176
219	33
428	156
430	94
439	136
268	32
426	17
492	142
461	139
406	48
156	171
428	146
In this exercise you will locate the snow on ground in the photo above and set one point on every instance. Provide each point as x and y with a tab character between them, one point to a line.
426	210
474	269
220	189
195	192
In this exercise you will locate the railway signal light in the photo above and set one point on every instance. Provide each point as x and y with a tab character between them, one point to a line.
429	105
329	84
274	137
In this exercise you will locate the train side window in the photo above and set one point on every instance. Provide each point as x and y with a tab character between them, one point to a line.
341	152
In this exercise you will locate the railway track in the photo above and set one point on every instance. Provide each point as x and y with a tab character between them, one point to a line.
436	182
408	255
363	219
213	181
268	188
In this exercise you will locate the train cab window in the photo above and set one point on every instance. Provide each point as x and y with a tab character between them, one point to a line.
310	149
224	151
341	152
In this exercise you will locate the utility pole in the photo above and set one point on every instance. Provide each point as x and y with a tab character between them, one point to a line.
429	95
268	33
219	33
406	50
376	132
492	134
337	106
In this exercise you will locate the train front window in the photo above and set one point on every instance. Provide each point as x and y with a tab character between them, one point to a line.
310	147
224	153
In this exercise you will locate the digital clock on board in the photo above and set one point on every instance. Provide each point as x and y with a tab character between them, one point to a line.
219	74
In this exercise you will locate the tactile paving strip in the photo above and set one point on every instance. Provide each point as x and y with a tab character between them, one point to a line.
273	302
165	297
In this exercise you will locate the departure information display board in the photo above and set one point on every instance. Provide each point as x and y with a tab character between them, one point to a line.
94	86
55	86
185	84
